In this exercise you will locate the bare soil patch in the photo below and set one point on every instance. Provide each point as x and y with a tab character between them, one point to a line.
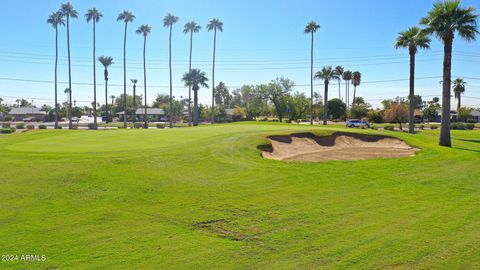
308	147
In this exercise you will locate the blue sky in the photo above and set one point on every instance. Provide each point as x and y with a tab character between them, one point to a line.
262	40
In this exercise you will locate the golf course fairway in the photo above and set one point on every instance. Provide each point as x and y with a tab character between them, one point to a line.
204	198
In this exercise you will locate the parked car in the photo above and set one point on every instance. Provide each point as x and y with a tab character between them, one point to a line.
30	119
357	123
75	119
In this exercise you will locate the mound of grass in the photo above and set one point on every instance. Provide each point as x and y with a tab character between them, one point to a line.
203	197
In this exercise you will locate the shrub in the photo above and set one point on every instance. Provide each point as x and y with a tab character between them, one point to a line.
433	126
389	127
59	127
5	125
374	127
457	126
20	126
42	127
8	130
421	127
8	118
138	125
264	119
160	125
91	126
74	127
374	116
30	127
470	126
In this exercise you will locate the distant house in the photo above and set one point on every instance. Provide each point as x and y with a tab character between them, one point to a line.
21	113
154	115
476	115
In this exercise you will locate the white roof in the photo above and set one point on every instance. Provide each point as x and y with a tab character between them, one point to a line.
25	111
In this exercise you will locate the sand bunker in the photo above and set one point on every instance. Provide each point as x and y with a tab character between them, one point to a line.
338	146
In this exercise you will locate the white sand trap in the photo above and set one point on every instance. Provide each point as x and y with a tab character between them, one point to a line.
338	146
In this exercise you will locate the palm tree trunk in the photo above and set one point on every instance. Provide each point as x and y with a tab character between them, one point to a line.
170	67
56	68
354	93
213	74
134	104
145	118
459	104
412	92
190	87
346	93
106	97
125	77
311	82
195	108
325	104
445	139
339	91
70	126
94	80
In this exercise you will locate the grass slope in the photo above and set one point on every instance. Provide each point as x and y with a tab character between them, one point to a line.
204	198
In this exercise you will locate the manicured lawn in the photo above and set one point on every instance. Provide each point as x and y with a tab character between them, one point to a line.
195	198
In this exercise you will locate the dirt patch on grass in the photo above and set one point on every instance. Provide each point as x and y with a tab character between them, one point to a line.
219	227
308	147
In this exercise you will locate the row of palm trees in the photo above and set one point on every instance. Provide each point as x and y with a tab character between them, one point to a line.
67	11
327	74
446	20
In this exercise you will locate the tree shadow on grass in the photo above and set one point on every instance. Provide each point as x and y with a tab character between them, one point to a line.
466	149
467	140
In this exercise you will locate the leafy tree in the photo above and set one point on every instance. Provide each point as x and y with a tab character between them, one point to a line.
119	105
464	114
311	28
222	95
55	20
190	27
396	113
417	102
275	92
297	105
161	100
127	17
326	74
195	78
337	108
94	15
144	30
239	113
375	116
412	39
250	98
458	90
445	20
68	11
430	110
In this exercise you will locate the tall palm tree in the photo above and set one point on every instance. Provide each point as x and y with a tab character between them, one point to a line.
194	79
126	16
68	11
445	20
339	71
190	27
326	74
311	28
356	80
106	61
94	15
144	30
214	24
347	76
458	90
55	20
413	39
134	81
69	109
169	21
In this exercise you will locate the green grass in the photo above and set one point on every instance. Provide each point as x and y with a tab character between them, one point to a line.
203	197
